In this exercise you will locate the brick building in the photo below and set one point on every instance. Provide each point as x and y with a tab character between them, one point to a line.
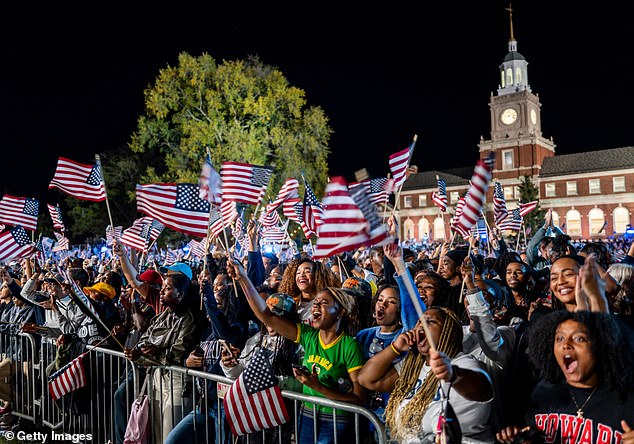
591	193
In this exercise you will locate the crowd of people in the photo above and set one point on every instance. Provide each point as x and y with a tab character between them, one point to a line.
512	346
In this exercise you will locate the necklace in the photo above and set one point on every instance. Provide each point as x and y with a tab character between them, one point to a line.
580	409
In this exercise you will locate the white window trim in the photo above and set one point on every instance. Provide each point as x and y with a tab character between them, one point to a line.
504	167
550	189
568	191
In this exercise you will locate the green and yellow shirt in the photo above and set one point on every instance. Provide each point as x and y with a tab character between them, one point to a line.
332	361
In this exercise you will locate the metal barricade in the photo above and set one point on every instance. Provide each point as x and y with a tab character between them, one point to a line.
20	362
172	394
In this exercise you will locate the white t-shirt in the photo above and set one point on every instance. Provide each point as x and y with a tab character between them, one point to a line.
472	415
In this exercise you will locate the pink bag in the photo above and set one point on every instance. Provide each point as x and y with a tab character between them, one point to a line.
137	430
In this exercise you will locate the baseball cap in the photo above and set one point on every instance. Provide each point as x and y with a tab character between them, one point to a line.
281	304
151	277
54	278
103	288
178	267
359	286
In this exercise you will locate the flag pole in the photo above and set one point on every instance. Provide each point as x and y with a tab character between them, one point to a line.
468	255
519	235
98	160
398	195
413	294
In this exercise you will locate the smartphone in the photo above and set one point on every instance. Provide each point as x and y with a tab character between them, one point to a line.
198	351
302	368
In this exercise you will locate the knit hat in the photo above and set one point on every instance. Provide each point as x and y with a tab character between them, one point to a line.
457	256
103	288
281	304
151	277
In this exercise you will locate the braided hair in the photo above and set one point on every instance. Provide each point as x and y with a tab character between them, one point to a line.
449	342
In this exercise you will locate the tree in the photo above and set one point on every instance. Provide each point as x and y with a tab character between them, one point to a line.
528	193
242	110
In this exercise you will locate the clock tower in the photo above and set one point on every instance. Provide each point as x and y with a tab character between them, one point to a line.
516	133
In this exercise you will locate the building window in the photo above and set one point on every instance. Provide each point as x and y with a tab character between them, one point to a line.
507	160
508	193
509	76
454	195
596	219
550	190
408	229
516	192
407	202
618	184
594	186
621	219
423	229
555	218
573	223
502	75
571	188
518	75
422	200
439	228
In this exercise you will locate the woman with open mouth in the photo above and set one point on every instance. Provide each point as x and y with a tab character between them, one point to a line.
417	381
586	360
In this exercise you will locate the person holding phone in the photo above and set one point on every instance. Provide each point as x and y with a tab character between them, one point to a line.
331	355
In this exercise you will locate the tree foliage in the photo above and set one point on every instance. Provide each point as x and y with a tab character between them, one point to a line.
242	110
528	193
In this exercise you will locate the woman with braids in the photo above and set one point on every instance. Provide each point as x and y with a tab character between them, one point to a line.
331	361
586	360
302	278
417	382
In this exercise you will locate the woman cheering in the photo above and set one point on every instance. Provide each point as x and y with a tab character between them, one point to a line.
331	362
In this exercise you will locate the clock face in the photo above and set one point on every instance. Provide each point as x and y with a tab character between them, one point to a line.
534	117
508	116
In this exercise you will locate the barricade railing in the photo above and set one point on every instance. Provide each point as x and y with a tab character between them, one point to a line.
173	394
18	367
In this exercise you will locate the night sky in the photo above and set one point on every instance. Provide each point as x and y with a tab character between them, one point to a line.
73	75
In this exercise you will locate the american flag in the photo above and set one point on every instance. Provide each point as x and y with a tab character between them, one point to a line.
68	378
276	234
170	258
177	206
476	194
56	216
81	181
270	219
479	229
15	244
377	231
288	191
238	228
244	183
141	233
210	183
377	189
19	211
113	234
512	222
398	164
197	248
63	243
222	219
254	401
526	208
344	227
440	197
294	210
40	257
500	212
313	210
